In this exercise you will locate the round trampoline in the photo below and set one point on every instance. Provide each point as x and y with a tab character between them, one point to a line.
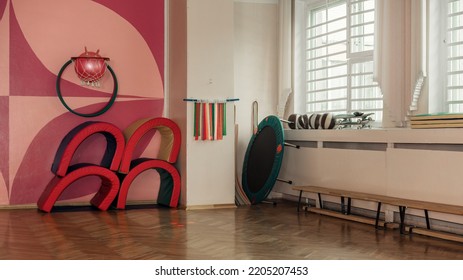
263	158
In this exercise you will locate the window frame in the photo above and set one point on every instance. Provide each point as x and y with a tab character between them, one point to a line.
352	58
449	101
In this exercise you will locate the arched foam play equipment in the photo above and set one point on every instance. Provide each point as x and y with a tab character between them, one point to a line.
169	190
103	197
117	165
170	139
114	148
263	159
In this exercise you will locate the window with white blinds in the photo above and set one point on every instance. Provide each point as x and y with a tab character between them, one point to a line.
454	42
339	58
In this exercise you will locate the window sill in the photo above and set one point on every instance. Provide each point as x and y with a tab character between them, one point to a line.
379	135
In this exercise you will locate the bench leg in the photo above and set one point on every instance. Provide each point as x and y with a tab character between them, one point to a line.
402	219
377	215
426	214
343	206
349	203
320	200
299	202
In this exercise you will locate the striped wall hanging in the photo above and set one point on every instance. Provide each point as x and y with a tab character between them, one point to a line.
210	119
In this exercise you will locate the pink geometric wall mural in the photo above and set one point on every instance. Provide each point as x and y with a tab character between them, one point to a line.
40	37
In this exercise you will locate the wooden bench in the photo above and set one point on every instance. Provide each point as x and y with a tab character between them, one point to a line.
402	203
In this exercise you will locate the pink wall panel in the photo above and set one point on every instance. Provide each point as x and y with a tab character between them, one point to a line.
40	37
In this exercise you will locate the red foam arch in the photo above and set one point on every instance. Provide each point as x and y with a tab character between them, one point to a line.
114	150
170	139
102	199
143	165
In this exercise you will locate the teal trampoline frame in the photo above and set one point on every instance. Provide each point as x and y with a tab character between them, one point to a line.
263	159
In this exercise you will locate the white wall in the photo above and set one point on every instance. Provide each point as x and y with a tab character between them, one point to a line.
210	164
256	66
220	49
201	66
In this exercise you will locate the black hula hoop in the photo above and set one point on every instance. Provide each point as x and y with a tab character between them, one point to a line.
90	115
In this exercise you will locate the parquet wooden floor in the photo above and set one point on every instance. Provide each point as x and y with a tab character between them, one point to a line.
257	232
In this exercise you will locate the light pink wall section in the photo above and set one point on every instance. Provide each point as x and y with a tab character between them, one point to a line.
4	52
4	91
37	39
57	30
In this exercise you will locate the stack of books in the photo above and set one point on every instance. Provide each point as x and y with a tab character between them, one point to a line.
442	120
